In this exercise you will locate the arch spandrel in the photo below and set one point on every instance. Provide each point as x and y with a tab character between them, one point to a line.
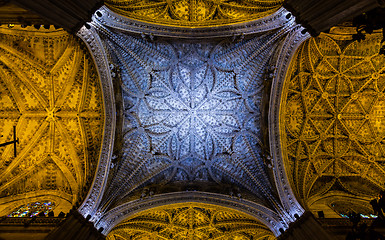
332	116
50	91
194	13
190	220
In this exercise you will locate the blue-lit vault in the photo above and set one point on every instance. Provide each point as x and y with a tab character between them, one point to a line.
191	115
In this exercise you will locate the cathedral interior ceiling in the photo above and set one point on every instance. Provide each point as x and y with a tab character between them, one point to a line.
194	117
49	90
333	120
190	221
191	116
194	13
191	113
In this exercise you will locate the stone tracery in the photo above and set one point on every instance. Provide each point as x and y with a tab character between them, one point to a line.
190	220
333	117
191	112
49	90
192	13
165	82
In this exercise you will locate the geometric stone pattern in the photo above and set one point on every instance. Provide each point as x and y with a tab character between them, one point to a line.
194	13
190	221
333	116
51	92
191	112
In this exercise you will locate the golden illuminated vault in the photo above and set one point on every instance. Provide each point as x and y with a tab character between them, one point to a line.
190	221
333	119
194	13
51	92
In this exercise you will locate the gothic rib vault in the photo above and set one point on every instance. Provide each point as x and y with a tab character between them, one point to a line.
333	122
190	221
191	118
51	93
199	120
193	13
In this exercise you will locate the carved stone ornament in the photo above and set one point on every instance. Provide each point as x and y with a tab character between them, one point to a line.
333	117
191	113
49	90
258	212
273	21
191	221
194	13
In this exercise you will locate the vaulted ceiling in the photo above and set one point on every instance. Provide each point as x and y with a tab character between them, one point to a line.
192	13
191	221
333	120
175	104
50	92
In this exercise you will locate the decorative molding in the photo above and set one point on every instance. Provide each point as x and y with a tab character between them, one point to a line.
282	63
95	45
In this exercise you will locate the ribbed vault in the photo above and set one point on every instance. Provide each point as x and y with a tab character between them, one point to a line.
193	13
50	91
190	221
333	120
192	113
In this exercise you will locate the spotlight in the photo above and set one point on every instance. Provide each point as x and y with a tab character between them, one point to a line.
11	25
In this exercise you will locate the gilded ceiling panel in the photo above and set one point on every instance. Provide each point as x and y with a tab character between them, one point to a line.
194	13
333	117
191	221
50	91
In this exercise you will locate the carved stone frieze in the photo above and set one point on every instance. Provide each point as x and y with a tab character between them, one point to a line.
50	91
